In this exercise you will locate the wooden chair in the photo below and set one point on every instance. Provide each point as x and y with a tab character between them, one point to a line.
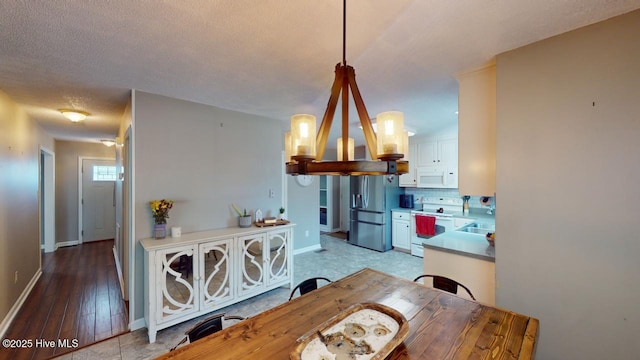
307	286
206	327
446	284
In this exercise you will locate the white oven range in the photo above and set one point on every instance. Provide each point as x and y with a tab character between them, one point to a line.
440	208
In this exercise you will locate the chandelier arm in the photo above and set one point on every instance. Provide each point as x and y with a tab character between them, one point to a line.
325	126
358	167
345	116
365	120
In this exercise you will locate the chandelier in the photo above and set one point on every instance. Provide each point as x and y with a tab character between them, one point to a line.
304	150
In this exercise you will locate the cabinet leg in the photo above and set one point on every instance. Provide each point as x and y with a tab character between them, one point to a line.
152	336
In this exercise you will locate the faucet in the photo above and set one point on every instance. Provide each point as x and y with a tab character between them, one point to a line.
492	207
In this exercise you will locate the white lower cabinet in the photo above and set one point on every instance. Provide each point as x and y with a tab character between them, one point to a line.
176	290
217	279
200	272
400	230
264	261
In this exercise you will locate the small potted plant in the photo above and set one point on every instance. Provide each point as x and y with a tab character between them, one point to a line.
281	214
244	220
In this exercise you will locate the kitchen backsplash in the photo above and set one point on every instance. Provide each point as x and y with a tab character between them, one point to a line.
474	202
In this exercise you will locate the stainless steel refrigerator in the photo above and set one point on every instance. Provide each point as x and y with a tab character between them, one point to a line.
372	198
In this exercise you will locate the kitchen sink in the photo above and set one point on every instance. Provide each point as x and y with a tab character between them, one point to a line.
476	228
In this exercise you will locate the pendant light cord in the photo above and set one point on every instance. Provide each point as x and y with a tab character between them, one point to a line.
344	32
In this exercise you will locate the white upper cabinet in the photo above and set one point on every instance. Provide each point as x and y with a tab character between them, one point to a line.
437	162
448	152
477	131
428	153
409	179
438	152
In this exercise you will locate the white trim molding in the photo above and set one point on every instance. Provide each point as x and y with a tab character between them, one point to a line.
67	243
137	324
307	249
119	270
47	200
6	322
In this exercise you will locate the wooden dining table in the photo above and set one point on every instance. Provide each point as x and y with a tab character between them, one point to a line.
441	325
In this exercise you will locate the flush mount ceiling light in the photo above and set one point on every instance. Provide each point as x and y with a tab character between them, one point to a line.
108	143
386	150
74	115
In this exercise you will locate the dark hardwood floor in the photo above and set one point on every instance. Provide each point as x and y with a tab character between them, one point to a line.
77	298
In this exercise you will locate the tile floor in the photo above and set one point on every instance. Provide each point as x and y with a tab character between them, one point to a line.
336	260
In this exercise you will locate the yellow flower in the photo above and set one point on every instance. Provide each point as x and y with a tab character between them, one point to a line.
160	210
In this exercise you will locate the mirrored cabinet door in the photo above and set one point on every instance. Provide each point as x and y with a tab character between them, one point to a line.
279	247
252	277
177	292
216	273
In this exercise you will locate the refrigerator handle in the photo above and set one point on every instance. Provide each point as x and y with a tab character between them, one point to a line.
357	200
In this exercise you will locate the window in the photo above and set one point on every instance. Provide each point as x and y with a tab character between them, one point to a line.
104	173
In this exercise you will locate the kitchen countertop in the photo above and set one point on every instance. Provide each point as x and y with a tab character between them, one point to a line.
474	213
462	243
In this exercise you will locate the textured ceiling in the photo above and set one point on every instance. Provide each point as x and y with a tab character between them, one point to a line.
268	57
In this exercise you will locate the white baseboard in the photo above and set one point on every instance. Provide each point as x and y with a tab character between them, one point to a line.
119	270
6	322
137	324
67	243
307	249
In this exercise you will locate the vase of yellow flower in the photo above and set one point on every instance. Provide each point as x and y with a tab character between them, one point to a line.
159	231
160	210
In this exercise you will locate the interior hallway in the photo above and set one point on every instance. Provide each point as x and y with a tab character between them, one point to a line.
336	260
77	297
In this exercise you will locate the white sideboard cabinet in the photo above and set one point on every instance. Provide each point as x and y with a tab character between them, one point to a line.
200	272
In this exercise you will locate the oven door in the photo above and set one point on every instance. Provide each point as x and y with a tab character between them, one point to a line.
443	224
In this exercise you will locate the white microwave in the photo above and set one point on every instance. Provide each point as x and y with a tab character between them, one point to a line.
437	177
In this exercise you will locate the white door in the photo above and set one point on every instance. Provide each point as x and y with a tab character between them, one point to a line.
98	199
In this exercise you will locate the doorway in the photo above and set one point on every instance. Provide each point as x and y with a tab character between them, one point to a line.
97	210
47	200
345	203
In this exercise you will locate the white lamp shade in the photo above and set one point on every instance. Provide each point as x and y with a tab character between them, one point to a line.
390	132
303	135
405	145
350	149
287	146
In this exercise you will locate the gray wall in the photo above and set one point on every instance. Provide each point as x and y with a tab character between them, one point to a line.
20	141
204	158
67	154
567	182
304	211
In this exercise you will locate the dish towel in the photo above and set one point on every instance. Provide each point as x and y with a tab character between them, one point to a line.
425	225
